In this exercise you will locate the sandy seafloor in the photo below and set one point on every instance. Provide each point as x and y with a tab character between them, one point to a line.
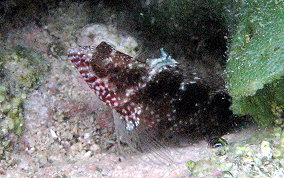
69	131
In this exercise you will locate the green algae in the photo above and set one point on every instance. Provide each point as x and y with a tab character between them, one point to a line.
12	121
23	68
266	105
21	71
255	68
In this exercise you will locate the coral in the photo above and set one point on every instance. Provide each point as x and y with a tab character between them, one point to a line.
255	68
266	106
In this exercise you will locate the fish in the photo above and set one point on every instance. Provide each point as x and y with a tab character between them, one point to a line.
129	86
151	99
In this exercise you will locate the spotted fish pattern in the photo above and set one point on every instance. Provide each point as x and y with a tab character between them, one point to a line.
124	83
152	94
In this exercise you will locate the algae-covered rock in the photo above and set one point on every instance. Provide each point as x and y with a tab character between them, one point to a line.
21	70
255	68
266	105
12	121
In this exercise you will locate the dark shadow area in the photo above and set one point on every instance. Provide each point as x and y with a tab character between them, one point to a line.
156	27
